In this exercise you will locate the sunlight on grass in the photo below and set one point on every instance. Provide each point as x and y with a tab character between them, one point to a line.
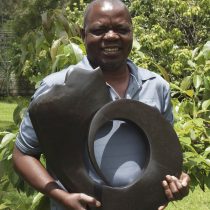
6	115
196	200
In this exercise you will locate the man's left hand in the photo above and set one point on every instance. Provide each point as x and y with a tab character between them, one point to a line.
175	189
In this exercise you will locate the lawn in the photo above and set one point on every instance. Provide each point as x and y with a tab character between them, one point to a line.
196	200
6	115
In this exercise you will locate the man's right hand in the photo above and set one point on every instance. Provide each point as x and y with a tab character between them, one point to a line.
79	201
31	169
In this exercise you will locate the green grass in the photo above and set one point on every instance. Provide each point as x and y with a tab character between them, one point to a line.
6	115
196	200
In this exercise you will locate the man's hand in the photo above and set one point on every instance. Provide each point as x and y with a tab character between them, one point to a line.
37	176
79	201
175	189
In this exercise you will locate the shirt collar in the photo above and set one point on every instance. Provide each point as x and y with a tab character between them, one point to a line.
140	74
84	64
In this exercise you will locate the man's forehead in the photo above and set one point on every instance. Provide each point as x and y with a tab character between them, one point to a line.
103	6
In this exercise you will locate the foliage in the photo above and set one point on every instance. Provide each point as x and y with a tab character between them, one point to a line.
15	193
7	176
172	44
51	47
192	112
27	14
167	31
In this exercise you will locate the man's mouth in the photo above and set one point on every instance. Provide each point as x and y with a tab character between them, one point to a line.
111	50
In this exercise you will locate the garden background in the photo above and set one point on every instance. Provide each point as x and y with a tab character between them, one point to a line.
172	38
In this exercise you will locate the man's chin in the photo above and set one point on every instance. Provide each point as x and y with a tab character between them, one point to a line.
110	65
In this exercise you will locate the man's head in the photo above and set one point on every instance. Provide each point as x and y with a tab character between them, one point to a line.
107	33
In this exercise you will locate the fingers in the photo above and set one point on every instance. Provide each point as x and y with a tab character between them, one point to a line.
176	189
88	200
175	186
167	190
185	179
79	201
162	207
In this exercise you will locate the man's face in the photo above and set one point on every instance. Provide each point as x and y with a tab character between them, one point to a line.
108	35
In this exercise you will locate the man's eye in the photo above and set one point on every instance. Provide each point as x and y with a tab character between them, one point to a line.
123	30
97	32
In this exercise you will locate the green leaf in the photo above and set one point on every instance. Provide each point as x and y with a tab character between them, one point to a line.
207	180
208	162
56	62
206	104
3	133
40	202
189	154
195	52
136	44
207	83
46	23
204	54
206	152
207	149
3	206
193	135
63	21
198	122
7	139
197	81
186	82
185	140
76	51
39	41
206	50
37	198
163	72
190	93
54	49
191	63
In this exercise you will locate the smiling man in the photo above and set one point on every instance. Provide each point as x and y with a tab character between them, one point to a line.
108	40
108	37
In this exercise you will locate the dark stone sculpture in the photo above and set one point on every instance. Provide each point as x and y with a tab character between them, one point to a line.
66	119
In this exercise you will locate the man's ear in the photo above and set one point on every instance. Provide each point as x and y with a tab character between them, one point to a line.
82	33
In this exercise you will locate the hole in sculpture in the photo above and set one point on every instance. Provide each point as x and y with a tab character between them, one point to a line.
122	152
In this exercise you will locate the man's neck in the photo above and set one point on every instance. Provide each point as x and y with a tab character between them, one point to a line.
118	79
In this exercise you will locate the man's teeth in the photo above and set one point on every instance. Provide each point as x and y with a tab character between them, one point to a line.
111	49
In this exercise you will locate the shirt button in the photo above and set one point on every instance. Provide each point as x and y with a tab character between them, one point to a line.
116	98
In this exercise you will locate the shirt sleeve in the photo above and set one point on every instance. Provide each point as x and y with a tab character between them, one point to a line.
167	109
26	140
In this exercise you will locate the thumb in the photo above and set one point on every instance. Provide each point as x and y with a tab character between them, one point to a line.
89	200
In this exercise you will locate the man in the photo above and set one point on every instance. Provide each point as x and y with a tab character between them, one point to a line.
107	34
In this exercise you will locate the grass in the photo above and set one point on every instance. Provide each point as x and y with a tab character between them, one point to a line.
196	200
6	115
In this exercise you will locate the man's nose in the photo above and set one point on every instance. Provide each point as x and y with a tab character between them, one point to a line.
111	35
